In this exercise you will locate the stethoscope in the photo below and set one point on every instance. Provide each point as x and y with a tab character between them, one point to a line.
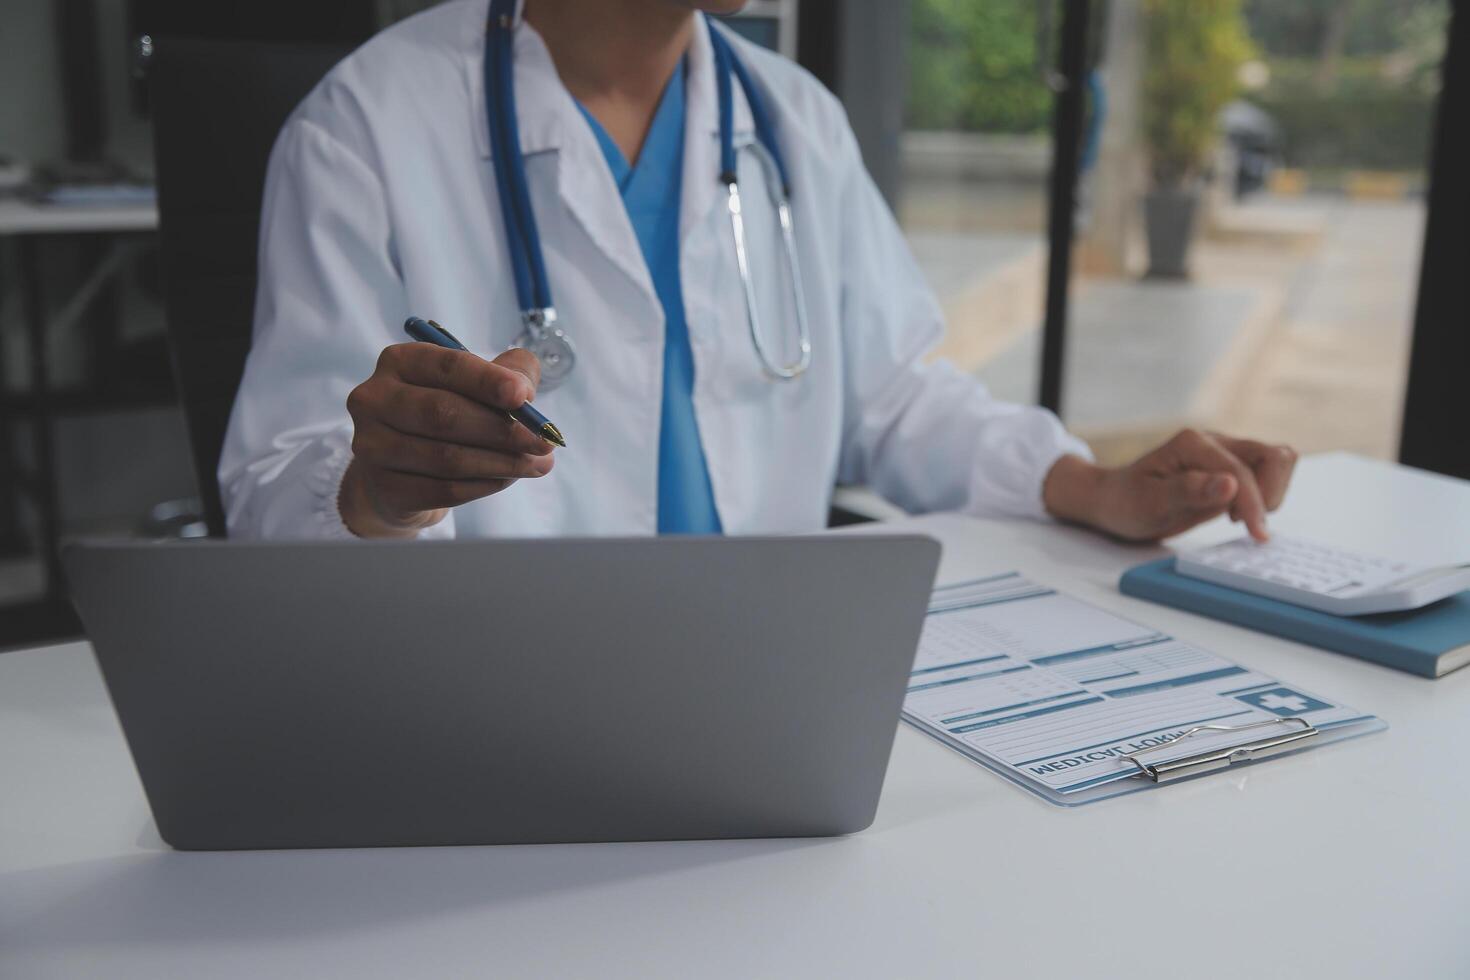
540	333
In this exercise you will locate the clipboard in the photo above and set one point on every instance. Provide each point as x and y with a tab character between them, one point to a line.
1075	704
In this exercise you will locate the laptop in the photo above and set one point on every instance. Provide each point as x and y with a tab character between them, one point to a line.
361	694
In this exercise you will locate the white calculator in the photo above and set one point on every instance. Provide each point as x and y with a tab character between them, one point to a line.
1323	577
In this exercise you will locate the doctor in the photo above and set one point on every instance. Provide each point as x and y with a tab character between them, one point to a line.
482	160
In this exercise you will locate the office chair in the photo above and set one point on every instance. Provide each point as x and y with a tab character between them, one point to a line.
217	107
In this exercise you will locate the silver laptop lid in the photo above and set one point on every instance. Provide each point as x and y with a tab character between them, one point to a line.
358	694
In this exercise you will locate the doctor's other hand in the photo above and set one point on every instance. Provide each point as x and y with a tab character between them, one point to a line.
1190	479
428	436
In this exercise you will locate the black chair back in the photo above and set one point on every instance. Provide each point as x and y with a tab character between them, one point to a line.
217	107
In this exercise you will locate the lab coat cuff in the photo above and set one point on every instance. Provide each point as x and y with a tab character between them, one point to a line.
326	486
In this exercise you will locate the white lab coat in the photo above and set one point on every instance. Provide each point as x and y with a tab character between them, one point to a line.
381	202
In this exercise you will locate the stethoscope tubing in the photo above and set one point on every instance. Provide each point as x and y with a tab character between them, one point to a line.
528	266
523	240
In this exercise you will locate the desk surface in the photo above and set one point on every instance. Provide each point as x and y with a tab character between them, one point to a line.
1347	861
18	217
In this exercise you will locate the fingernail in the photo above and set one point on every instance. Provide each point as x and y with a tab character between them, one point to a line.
1218	487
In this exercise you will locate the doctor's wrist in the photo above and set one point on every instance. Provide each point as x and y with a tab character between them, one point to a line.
362	514
1073	490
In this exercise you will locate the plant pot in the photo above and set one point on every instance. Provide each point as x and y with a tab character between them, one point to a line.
1168	217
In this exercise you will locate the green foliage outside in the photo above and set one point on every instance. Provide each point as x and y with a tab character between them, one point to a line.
1361	96
1365	121
972	66
1194	50
1302	28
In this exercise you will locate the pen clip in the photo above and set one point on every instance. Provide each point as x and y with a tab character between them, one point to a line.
436	325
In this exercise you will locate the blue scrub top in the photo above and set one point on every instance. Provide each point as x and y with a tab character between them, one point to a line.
651	190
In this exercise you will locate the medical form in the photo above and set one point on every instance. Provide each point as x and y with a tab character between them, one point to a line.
1056	694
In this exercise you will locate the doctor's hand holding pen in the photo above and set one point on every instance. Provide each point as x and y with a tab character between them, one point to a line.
432	430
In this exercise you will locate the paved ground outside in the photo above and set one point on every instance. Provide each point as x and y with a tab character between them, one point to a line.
1334	372
1295	327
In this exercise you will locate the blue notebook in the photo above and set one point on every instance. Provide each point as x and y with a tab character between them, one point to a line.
1431	641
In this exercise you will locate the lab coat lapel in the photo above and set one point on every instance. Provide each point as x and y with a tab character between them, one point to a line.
702	188
706	261
550	122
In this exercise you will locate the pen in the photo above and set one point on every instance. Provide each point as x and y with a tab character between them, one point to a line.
430	332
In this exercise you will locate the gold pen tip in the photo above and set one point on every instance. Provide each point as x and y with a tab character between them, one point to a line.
553	435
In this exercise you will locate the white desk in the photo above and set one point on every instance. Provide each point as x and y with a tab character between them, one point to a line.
1352	860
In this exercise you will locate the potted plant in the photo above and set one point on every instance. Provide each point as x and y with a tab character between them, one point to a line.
1194	49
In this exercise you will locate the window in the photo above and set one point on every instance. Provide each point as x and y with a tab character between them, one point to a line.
1251	209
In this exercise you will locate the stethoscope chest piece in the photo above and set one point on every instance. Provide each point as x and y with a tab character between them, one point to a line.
552	347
